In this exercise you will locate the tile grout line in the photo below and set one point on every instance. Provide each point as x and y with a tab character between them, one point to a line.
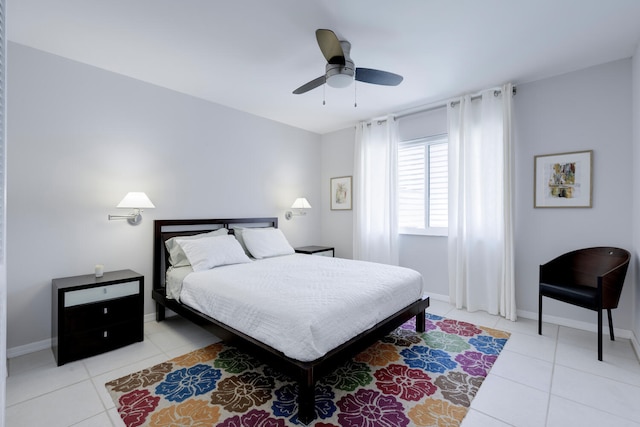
553	370
54	391
578	402
595	374
38	396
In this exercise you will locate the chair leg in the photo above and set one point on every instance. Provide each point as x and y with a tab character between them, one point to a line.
600	335
610	325
539	313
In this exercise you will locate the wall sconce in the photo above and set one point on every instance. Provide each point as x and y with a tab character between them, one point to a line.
134	200
300	204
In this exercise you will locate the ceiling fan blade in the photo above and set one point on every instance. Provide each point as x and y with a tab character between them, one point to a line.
377	77
311	85
330	46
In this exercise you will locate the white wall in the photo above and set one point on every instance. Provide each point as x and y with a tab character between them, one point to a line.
80	138
337	160
585	110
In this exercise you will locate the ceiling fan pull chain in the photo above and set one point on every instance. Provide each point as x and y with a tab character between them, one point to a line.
355	94
324	94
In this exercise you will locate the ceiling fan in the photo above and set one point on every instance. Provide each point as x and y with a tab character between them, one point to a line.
340	69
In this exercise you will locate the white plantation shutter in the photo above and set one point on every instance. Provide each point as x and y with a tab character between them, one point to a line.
423	185
438	185
411	183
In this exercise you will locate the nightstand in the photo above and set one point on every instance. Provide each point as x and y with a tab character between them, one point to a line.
316	250
92	315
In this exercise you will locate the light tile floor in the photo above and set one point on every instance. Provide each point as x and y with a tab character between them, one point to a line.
553	380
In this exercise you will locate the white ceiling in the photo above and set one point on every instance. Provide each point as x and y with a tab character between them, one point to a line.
251	54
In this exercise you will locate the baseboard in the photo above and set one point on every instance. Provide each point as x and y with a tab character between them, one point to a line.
438	297
635	345
149	317
28	348
576	324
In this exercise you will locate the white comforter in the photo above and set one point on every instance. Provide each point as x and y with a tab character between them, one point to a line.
299	304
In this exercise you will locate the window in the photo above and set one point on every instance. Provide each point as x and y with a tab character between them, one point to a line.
423	186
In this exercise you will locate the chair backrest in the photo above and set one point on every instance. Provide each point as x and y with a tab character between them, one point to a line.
585	266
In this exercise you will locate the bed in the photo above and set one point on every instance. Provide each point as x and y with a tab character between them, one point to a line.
303	361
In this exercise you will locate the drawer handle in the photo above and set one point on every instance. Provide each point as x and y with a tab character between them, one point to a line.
105	333
106	310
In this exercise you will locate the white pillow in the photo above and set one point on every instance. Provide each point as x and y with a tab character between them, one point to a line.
238	232
209	252
266	242
177	257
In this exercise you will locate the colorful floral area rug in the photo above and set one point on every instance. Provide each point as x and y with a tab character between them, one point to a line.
406	379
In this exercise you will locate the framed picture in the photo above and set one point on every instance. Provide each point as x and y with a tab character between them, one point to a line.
341	193
563	180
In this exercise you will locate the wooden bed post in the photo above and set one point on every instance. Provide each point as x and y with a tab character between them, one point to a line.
307	397
420	321
160	312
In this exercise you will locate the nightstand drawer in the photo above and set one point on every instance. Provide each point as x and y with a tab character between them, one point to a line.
101	293
89	316
96	341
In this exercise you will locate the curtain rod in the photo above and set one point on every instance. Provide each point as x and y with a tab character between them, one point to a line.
496	92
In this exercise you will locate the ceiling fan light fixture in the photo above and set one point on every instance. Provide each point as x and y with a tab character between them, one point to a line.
339	80
340	76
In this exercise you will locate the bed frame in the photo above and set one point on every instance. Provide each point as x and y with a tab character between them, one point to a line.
304	373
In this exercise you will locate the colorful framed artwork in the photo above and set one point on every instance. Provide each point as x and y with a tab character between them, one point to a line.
563	180
341	188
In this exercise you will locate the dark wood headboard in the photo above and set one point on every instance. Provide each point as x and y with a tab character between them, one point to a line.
165	229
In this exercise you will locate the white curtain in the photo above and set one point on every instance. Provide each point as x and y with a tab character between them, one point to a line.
375	233
480	240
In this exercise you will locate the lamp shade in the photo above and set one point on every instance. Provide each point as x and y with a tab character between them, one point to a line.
301	203
135	200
